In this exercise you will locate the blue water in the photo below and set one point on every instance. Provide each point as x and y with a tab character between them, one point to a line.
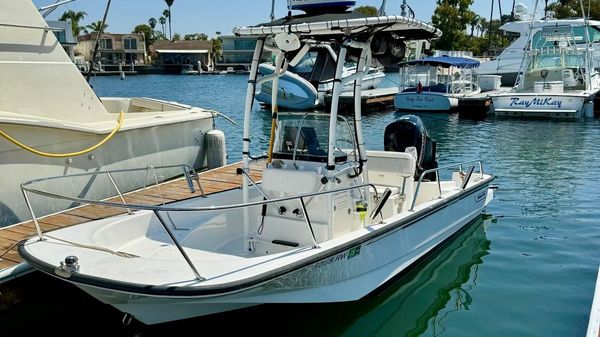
527	268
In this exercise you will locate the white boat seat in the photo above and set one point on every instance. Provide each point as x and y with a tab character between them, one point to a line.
390	168
395	170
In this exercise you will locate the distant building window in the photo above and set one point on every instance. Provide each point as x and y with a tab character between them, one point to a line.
60	36
106	43
245	44
130	43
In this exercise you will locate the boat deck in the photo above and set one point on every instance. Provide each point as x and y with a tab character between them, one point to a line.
213	181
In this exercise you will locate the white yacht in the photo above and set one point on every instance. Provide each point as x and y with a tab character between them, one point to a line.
508	63
52	122
436	83
329	222
558	75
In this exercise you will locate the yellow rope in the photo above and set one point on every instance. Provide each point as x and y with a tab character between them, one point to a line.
63	155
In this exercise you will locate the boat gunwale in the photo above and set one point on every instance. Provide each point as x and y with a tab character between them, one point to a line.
241	285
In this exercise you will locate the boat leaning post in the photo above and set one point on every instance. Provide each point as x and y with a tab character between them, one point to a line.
250	92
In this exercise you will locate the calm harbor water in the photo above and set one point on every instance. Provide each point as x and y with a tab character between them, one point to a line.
526	268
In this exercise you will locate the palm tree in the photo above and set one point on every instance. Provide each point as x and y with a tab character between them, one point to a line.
152	22
169	4
95	26
162	21
75	17
167	15
474	21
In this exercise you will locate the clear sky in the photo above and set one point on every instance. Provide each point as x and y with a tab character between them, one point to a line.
210	16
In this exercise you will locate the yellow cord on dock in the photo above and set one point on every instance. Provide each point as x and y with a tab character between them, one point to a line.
64	155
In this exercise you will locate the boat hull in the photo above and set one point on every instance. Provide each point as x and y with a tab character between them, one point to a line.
425	101
132	148
541	105
345	274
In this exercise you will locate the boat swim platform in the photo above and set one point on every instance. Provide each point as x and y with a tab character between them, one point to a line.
212	181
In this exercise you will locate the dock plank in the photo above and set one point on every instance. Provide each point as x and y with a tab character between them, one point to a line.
213	181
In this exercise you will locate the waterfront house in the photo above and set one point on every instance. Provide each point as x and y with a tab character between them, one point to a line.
171	55
64	35
113	48
238	52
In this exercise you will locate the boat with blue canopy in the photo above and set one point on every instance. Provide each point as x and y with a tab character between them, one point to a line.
436	83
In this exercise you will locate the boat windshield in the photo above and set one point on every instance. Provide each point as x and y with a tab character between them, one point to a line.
543	38
306	137
316	66
556	60
426	74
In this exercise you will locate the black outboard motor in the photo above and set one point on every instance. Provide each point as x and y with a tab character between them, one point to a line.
407	131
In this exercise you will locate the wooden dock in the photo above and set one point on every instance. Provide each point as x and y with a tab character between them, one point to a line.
371	99
212	181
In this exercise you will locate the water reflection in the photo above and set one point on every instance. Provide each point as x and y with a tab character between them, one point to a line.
430	293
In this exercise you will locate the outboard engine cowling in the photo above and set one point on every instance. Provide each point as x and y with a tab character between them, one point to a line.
407	131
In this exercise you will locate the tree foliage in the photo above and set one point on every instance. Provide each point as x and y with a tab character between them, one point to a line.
452	18
162	21
152	22
75	17
95	26
196	36
148	33
366	10
168	16
572	8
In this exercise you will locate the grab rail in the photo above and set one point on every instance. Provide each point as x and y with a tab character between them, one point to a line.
436	170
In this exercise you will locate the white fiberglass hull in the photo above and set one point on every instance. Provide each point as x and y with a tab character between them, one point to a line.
178	142
543	105
343	269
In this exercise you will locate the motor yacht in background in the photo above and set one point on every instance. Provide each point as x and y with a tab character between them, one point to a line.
436	83
52	122
330	221
559	79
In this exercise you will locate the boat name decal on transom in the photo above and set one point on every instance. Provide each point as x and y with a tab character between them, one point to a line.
413	99
547	101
